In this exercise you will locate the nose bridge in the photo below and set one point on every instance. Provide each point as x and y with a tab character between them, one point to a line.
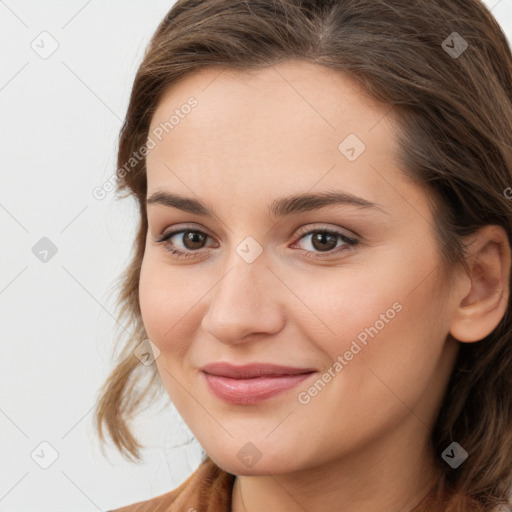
247	270
242	302
242	282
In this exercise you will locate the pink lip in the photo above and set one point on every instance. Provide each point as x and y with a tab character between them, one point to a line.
252	383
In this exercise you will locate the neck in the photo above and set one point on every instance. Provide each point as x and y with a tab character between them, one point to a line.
390	474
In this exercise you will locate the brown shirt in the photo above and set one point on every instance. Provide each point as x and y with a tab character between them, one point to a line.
208	489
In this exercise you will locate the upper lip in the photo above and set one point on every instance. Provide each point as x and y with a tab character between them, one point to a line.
253	370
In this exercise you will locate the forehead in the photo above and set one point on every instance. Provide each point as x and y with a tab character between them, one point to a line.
321	97
289	125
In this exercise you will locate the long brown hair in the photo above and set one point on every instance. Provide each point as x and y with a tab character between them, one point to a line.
454	108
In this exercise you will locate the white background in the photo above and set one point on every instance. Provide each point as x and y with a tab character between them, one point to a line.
60	120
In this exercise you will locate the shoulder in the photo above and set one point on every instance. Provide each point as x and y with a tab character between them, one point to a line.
208	489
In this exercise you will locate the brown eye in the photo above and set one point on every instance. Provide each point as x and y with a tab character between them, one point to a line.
193	240
184	242
323	241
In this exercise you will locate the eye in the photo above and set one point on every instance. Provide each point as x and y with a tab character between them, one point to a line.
188	241
325	240
319	242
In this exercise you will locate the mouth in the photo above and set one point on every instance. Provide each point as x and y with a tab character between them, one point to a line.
250	384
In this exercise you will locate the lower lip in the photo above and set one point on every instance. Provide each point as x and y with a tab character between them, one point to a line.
252	391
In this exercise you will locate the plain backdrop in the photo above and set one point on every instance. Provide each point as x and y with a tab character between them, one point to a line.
65	77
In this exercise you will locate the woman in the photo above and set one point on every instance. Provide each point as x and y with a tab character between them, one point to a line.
323	259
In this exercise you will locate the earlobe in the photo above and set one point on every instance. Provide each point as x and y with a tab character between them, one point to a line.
480	310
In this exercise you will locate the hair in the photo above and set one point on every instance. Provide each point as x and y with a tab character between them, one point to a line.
454	126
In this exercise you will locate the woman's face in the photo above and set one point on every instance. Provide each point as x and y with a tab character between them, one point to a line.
260	164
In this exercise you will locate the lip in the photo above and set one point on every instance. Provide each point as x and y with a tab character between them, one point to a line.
252	383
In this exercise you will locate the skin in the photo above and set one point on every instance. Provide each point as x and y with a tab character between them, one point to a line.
362	443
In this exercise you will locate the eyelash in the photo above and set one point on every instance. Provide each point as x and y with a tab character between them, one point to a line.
349	241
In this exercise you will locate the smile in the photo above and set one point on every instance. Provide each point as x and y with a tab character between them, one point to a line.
252	384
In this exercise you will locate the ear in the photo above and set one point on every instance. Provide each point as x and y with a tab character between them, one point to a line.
480	310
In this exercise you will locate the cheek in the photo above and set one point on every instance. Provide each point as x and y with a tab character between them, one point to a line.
392	305
390	340
166	301
338	307
390	325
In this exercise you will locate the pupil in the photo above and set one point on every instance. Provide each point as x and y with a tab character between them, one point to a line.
193	238
323	238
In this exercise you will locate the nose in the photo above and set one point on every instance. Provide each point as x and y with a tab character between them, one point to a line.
245	303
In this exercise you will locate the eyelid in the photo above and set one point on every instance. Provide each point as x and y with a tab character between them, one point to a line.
179	228
305	230
323	227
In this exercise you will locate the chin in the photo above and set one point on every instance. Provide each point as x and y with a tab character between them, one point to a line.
249	461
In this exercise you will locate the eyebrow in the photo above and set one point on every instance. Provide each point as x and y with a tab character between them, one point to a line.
280	207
